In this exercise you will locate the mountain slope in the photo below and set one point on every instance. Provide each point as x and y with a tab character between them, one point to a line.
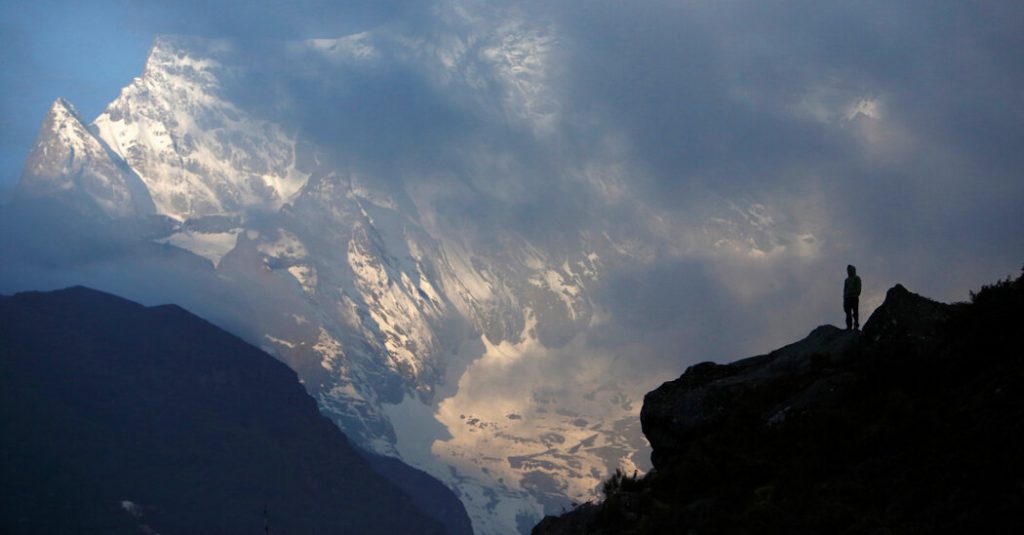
359	282
404	221
914	426
118	417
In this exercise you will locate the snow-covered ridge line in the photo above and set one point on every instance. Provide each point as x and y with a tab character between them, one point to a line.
69	163
197	153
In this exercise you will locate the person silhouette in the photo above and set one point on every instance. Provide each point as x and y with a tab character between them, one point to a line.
851	298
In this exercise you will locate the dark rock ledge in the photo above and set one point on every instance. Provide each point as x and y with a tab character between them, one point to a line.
914	425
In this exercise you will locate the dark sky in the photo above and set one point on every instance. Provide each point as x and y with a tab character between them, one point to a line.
885	134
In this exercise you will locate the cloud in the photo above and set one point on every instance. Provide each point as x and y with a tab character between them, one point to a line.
878	134
87	51
902	101
740	154
903	119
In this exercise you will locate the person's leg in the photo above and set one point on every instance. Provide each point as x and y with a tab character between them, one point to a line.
848	310
856	312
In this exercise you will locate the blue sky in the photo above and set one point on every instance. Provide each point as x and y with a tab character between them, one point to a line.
81	51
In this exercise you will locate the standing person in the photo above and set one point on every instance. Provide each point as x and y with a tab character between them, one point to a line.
851	298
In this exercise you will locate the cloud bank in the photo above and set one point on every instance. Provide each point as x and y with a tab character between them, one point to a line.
742	153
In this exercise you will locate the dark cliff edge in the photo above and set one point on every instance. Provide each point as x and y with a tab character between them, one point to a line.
118	418
915	425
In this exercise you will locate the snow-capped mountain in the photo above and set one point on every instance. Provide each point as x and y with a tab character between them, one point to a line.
70	163
425	332
394	310
197	153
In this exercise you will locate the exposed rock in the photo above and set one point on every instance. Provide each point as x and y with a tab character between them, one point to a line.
706	394
907	320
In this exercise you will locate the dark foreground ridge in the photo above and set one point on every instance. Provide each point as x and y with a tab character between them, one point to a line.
915	425
118	418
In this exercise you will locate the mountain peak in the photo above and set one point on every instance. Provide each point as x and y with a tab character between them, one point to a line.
68	164
196	151
62	106
63	118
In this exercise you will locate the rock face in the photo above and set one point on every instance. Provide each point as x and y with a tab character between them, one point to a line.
703	398
914	425
118	418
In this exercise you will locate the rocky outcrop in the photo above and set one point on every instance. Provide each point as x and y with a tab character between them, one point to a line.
913	426
706	395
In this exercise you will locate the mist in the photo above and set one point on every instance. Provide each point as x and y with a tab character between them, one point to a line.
730	158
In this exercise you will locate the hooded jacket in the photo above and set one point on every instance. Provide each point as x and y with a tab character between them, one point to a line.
851	288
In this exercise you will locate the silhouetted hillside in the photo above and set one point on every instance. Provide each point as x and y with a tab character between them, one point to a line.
915	425
117	418
428	494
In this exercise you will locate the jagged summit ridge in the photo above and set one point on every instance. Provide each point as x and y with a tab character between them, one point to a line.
197	153
71	164
61	107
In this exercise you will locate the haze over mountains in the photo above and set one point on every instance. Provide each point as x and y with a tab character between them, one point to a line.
412	324
461	254
341	278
